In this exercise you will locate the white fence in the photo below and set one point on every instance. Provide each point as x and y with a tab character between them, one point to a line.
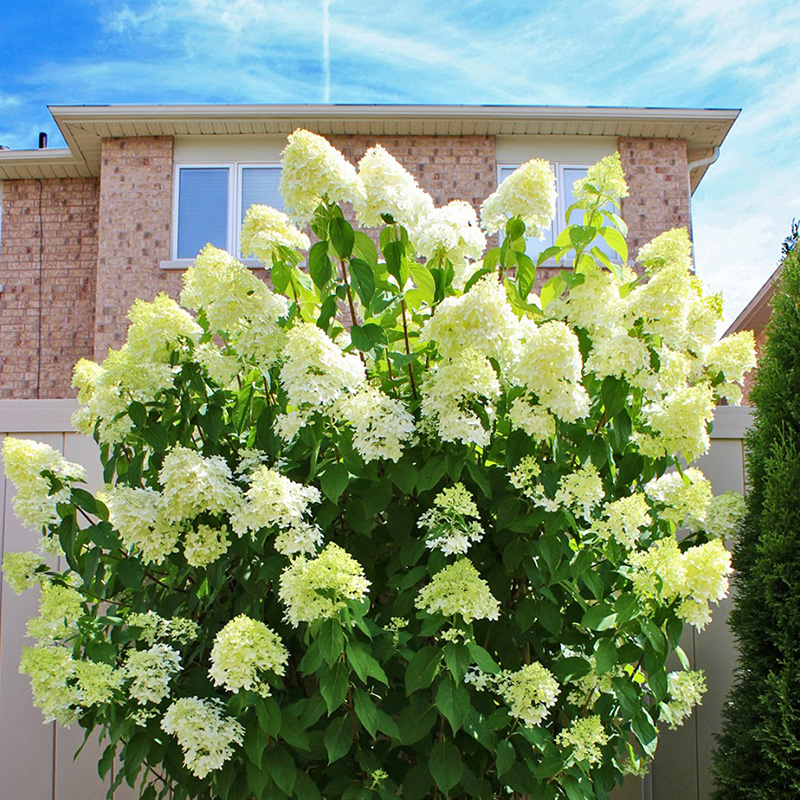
36	760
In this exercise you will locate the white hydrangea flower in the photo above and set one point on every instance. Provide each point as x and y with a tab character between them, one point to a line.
529	193
158	328
624	520
580	492
96	682
51	670
24	461
221	367
607	176
732	356
194	483
381	424
529	693
204	545
315	371
585	736
272	500
204	731
685	496
299	537
390	189
317	588
594	304
264	229
524	476
619	355
178	629
481	320
143	527
20	571
451	231
671	248
60	608
243	650
532	418
453	524
448	394
150	672
725	512
680	421
686	690
458	589
312	169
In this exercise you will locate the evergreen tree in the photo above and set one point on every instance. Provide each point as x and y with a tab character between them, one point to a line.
758	754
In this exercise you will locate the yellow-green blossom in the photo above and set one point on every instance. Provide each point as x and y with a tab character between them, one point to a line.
60	608
203	545
686	690
684	496
452	232
607	177
725	512
35	499
51	670
624	520
671	248
204	731
243	650
529	193
178	629
312	169
150	672
532	418
96	682
458	589
529	693
732	357
586	736
524	475
158	328
680	422
20	571
453	524
317	588
265	229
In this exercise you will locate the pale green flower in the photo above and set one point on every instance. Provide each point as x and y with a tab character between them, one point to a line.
177	629
150	672
671	248
680	421
204	545
684	496
524	475
686	690
158	328
20	571
607	177
453	524
586	736
452	232
458	589
724	514
529	193
317	588
264	229
51	670
24	462
96	682
624	520
243	650
313	170
532	418
60	608
529	693
204	731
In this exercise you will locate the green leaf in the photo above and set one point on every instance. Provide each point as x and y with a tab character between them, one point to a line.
131	573
366	711
526	275
292	732
422	669
606	655
580	236
269	715
338	738
413	724
568	669
319	265
445	765
330	640
506	756
553	289
364	664
363	280
616	241
645	731
257	779
280	275
366	337
599	618
393	253
342	237
254	746
483	659
334	480
281	768
424	279
364	249
515	228
305	788
333	685
452	700
457	658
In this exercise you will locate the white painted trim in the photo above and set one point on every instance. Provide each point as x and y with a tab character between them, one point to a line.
37	416
572	150
185	263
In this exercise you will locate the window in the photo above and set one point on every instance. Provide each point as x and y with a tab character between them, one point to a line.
566	175
211	201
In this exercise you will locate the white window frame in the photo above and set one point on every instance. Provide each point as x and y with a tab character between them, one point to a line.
235	211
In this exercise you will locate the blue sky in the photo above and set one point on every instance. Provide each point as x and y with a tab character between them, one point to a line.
682	53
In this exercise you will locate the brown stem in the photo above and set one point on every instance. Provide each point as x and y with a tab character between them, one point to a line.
408	347
349	293
603	420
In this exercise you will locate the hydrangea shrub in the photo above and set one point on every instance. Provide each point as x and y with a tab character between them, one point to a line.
398	525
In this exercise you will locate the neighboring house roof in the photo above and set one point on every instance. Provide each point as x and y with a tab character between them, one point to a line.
756	313
84	127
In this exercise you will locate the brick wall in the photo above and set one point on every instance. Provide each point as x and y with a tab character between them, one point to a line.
134	232
60	215
656	170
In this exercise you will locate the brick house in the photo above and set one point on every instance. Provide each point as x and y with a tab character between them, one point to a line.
119	214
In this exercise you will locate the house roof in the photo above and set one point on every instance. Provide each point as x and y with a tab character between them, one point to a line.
84	127
755	315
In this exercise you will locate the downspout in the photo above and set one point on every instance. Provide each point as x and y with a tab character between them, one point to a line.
702	162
